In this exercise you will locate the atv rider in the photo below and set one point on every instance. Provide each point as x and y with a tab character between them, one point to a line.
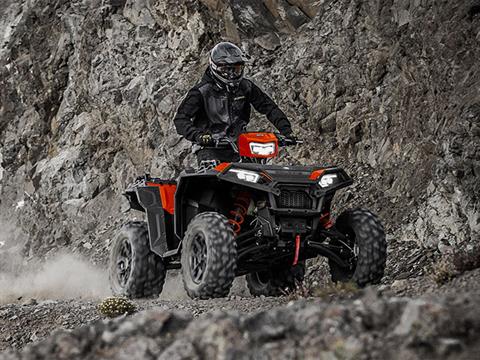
219	105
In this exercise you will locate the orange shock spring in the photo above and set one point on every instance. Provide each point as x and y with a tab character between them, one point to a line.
325	220
241	204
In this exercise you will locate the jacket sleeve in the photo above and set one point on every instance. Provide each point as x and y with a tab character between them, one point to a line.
265	105
183	120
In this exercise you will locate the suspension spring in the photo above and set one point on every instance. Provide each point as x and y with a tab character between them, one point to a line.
240	208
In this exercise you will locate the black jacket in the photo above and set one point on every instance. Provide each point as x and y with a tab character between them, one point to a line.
209	108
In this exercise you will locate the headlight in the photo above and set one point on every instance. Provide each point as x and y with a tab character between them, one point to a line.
262	148
327	180
246	175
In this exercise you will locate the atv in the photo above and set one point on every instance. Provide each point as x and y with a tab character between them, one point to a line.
244	218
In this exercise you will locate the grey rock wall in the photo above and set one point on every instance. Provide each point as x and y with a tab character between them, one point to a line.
389	90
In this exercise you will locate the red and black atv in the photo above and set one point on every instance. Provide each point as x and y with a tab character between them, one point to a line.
244	218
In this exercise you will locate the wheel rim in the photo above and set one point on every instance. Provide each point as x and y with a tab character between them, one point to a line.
124	262
353	248
350	246
262	278
198	258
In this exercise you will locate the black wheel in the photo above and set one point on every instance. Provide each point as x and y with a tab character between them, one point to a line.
280	280
209	256
134	270
366	245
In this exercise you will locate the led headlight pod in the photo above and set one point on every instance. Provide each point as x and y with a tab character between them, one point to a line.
327	180
246	175
262	148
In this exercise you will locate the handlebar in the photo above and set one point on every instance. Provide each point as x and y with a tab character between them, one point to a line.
224	142
283	141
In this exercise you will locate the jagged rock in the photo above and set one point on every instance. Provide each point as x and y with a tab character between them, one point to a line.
369	327
268	41
329	124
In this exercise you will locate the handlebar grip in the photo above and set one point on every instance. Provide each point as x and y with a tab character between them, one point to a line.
289	142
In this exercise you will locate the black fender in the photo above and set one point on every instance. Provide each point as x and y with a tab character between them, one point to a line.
149	198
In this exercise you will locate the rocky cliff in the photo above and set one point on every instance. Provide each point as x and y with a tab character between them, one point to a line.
388	89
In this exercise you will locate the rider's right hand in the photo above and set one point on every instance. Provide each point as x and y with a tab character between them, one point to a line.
204	139
287	139
291	139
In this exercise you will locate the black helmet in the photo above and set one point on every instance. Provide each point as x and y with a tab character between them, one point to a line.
227	62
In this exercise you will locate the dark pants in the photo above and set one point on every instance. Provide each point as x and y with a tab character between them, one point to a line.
221	155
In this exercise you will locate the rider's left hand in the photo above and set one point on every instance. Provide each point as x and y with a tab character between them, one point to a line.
205	139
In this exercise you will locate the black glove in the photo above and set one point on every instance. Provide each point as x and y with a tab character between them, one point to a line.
204	139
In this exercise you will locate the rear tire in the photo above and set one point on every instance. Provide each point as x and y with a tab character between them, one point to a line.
366	234
134	270
209	256
275	282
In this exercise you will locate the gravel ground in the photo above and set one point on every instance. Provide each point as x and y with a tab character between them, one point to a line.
408	274
30	321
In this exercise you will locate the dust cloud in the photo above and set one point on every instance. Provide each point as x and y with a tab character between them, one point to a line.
63	276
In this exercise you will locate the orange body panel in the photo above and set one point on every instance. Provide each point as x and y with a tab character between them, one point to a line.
245	139
316	174
167	195
222	166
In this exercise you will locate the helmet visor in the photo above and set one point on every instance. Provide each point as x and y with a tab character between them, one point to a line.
231	71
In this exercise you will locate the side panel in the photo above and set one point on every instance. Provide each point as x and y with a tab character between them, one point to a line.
196	194
160	222
167	195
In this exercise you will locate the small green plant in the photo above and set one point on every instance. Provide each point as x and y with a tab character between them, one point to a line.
116	306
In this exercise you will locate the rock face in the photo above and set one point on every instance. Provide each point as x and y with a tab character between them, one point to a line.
389	90
370	327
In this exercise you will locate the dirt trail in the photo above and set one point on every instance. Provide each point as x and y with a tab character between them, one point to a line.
30	320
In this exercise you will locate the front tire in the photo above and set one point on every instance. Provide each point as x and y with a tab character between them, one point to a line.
134	270
365	234
209	256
